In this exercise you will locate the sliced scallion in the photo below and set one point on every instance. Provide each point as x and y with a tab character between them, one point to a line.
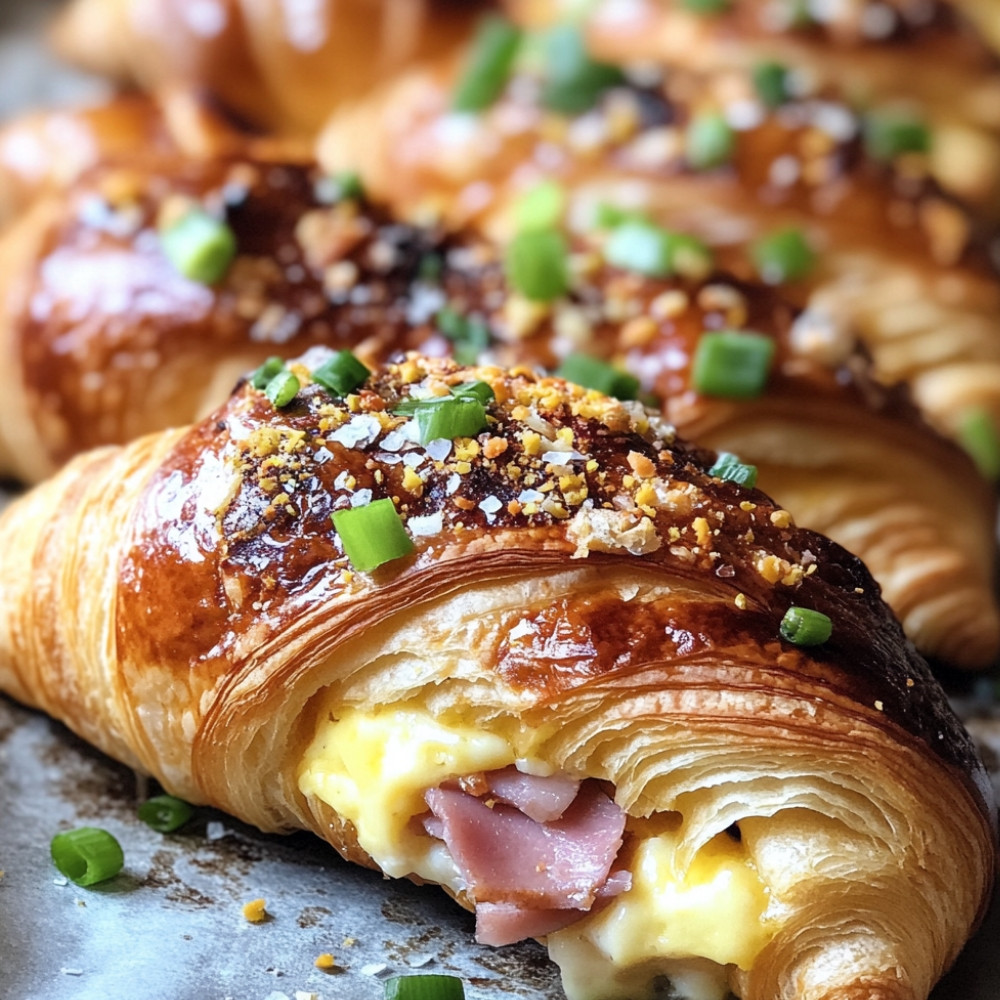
648	249
372	535
200	246
341	374
266	372
426	987
770	80
727	466
470	335
165	813
978	435
593	373
573	81
480	390
348	186
805	627
888	134
282	389
87	855
784	255
709	141
536	264
450	417
490	61
705	6
541	207
732	363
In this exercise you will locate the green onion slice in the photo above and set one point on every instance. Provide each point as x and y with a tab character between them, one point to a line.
805	627
430	987
165	813
573	81
341	374
705	6
733	364
282	389
888	134
479	389
784	255
592	373
770	80
709	141
489	64
656	252
727	466
200	246
536	264
469	334
450	417
978	435
87	855
266	372
541	207
372	535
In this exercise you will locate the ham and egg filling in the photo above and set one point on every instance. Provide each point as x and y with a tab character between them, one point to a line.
541	854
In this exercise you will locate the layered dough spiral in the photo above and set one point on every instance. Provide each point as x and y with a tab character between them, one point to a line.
583	602
104	340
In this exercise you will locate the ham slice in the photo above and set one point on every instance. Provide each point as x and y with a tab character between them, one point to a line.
530	877
543	799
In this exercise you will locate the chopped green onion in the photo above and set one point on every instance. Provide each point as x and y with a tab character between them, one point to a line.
282	389
87	855
805	627
450	417
608	216
266	372
200	246
536	264
469	334
732	363
429	987
165	813
705	6
770	80
479	389
430	268
348	186
978	435
540	208
341	374
592	373
372	535
889	134
657	252
573	81
491	58
709	141
727	466
784	255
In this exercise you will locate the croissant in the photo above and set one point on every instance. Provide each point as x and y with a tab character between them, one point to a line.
894	257
279	66
920	57
105	340
538	658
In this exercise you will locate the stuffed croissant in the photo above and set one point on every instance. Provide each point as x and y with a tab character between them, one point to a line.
737	157
106	340
497	632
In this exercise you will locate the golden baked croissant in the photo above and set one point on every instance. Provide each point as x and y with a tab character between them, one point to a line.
280	66
916	56
104	340
432	611
47	150
893	256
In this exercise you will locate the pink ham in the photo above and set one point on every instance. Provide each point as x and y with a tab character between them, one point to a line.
514	865
543	799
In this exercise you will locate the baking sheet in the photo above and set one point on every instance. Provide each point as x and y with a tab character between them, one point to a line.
170	926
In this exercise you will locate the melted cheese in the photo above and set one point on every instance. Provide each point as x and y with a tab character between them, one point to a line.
374	768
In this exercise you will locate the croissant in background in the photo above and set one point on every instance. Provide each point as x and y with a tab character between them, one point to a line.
104	340
731	156
280	66
530	595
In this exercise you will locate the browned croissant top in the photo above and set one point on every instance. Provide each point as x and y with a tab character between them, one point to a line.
559	473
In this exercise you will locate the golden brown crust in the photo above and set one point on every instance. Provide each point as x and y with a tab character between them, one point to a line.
279	68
